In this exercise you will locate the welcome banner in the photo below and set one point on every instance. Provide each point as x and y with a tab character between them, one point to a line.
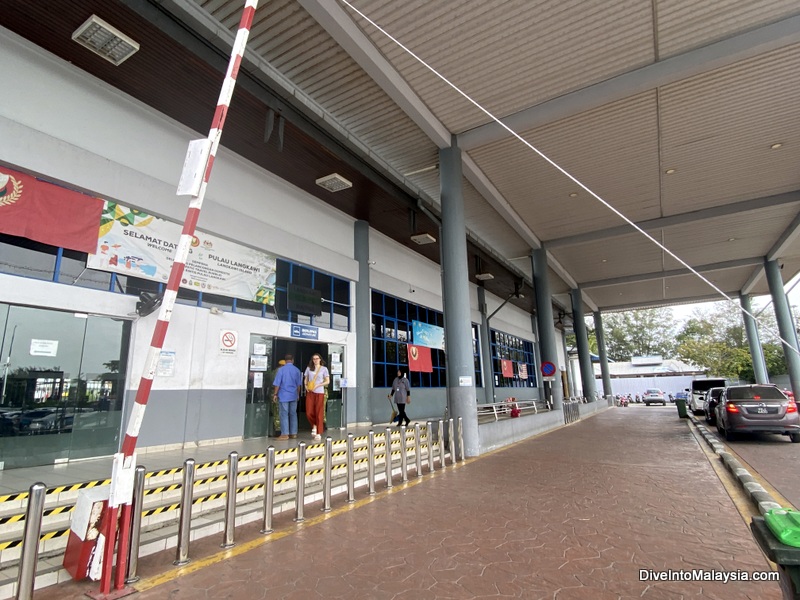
132	242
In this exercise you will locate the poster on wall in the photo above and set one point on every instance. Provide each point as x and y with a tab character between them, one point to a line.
431	336
132	242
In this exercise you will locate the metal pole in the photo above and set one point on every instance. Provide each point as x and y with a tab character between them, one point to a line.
452	445
461	438
388	453
429	439
351	475
417	451
403	454
326	475
269	490
371	462
300	493
441	444
185	524
136	524
230	497
30	541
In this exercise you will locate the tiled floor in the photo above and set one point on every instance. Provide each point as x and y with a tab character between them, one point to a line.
573	514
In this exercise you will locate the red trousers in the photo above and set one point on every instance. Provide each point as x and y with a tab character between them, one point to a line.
315	410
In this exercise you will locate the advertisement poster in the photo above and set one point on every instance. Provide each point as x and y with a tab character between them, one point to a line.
131	242
431	336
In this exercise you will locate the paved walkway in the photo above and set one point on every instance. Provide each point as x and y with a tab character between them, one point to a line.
572	514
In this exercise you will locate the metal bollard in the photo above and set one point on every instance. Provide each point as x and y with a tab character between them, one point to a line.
300	493
351	475
417	451
269	490
136	525
185	523
30	541
442	463
230	500
451	430
388	454
429	437
326	475
461	438
371	462
403	454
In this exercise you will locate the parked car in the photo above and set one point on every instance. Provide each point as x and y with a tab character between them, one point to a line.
710	404
654	396
757	408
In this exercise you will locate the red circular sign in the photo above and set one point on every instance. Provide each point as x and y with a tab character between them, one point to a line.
228	339
548	369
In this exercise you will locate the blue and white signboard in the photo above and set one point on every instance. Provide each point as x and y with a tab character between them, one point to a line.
306	332
428	335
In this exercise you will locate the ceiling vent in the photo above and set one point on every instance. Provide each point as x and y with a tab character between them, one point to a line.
105	40
334	183
484	276
423	238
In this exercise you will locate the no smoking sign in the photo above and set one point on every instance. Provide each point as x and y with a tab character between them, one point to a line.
228	342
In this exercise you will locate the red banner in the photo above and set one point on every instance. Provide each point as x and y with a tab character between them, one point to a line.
419	359
507	367
48	213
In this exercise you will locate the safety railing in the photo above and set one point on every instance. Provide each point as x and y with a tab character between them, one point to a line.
510	408
572	409
336	473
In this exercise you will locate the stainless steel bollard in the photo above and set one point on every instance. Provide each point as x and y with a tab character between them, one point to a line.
429	437
388	453
442	462
451	431
136	524
300	493
326	475
269	490
30	541
403	454
417	450
185	523
371	462
230	500
351	475
461	438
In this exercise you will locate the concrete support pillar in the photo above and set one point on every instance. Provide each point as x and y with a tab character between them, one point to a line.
582	341
753	340
601	350
486	348
544	318
785	327
363	324
457	316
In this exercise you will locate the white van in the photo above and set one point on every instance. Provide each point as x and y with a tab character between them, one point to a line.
698	392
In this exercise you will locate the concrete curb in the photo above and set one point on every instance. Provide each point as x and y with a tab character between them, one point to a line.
762	499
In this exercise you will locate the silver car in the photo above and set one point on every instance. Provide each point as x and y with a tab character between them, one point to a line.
757	408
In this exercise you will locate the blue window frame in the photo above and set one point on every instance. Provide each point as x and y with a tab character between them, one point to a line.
519	352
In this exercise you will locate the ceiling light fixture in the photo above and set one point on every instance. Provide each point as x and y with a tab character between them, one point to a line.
731	239
423	238
105	40
776	146
334	182
670	171
484	276
573	195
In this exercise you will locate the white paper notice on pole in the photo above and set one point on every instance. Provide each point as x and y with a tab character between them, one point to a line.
228	342
44	347
122	476
465	381
194	167
258	380
166	363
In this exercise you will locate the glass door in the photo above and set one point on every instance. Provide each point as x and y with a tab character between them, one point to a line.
334	410
259	413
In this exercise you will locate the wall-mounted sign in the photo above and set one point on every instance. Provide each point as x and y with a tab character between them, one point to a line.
258	362
44	347
258	380
306	332
259	349
548	368
166	363
465	381
431	336
228	342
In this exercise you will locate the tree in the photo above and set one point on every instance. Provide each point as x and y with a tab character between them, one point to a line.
646	332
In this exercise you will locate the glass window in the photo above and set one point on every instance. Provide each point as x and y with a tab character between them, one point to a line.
20	256
519	352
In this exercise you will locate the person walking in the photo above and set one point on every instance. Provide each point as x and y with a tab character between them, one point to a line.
401	394
316	378
286	385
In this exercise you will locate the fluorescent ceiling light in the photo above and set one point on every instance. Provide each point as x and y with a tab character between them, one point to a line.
423	238
334	182
484	276
105	40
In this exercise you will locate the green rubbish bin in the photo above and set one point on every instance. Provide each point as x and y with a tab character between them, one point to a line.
681	404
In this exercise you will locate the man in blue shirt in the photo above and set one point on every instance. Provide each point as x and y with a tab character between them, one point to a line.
287	383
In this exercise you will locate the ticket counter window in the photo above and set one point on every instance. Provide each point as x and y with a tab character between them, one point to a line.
62	386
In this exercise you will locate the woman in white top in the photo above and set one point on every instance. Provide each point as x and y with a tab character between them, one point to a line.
316	378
